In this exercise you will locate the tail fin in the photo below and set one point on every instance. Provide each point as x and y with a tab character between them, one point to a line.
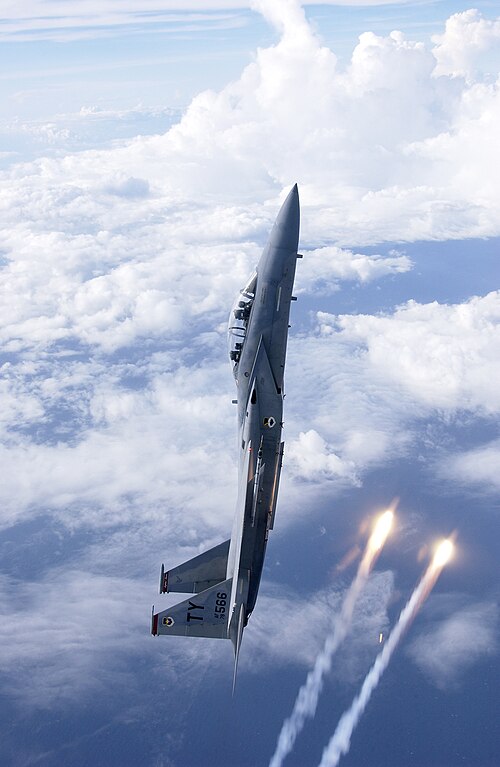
236	640
197	574
203	615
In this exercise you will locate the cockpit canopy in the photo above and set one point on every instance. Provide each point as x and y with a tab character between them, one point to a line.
238	320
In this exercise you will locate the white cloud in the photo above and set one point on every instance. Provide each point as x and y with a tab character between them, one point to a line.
384	149
445	356
118	268
475	467
19	405
377	376
466	38
446	651
360	161
311	459
355	419
362	390
322	268
151	448
138	250
70	621
75	634
366	170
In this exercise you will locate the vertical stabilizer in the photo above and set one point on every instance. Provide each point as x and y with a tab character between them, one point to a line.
202	615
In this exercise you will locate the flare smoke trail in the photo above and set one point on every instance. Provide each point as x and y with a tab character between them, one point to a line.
307	699
341	739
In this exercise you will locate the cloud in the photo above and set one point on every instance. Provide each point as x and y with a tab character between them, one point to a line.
88	128
119	447
70	622
445	356
384	149
365	390
76	273
77	634
311	459
447	650
118	267
478	466
73	297
119	264
128	186
467	37
323	268
352	147
355	419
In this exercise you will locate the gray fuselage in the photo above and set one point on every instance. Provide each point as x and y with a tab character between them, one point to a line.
260	329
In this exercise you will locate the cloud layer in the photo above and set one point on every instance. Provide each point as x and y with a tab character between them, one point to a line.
134	251
117	269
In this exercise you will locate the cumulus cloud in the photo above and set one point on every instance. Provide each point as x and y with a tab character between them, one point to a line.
311	459
76	274
354	419
323	268
467	37
446	651
445	356
367	170
387	148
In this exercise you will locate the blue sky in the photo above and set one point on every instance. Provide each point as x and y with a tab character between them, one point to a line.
143	163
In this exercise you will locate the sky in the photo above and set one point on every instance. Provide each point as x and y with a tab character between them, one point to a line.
145	149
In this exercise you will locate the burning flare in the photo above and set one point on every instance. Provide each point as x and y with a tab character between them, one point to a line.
381	530
443	554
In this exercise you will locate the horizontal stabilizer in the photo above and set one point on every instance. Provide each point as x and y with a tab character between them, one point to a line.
197	574
202	615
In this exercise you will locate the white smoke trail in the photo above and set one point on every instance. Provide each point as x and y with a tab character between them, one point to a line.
341	739
307	698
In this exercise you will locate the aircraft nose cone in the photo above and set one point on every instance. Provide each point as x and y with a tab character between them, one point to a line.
285	233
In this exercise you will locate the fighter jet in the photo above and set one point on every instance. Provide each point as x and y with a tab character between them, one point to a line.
225	580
